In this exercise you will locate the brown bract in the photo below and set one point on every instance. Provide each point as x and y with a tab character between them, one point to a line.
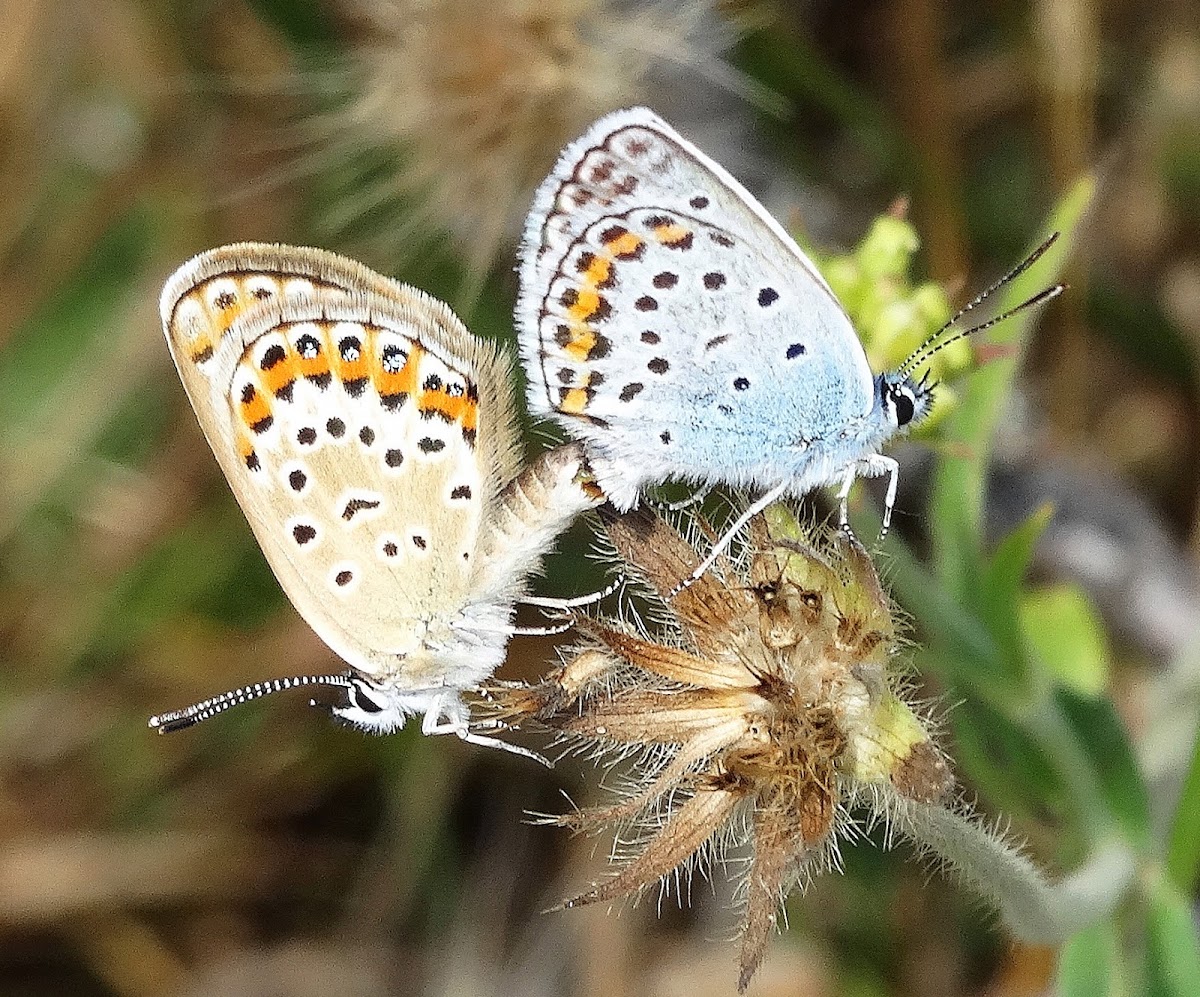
759	713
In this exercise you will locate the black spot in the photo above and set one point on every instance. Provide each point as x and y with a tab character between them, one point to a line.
741	384
321	380
226	299
263	424
419	542
297	479
469	437
344	578
203	356
393	401
600	347
355	386
714	281
665	280
393	359
566	375
261	293
429	444
665	437
699	202
285	391
394	458
306	436
273	355
716	341
461	492
653	338
248	393
252	461
684	242
767	296
721	239
725	409
335	428
658	221
569	298
658	365
432	383
630	391
390	549
367	435
303	533
596	379
562	335
455	390
645	304
356	505
796	350
350	348
308	346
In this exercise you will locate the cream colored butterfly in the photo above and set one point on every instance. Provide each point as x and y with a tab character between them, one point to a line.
373	445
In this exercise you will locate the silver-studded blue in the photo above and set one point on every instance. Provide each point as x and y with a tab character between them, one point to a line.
669	322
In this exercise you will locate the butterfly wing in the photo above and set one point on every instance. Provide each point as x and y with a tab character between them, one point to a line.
367	436
670	321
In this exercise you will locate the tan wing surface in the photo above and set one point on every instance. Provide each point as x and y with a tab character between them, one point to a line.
365	432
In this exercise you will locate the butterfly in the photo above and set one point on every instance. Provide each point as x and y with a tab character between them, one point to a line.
373	445
670	323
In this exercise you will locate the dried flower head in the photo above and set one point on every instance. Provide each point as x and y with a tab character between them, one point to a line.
478	100
762	711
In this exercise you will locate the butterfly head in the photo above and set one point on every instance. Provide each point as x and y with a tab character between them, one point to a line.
901	400
372	708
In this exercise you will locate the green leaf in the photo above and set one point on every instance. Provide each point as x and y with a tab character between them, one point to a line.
1183	847
958	489
1002	583
1090	964
1009	765
967	655
1063	628
1172	950
1100	734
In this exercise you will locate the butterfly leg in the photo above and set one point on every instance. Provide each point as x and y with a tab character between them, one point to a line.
508	630
698	496
548	602
764	501
873	466
448	716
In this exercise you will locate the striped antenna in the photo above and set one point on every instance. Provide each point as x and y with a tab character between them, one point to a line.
168	723
931	345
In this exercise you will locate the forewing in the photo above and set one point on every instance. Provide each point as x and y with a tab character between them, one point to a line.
653	283
366	434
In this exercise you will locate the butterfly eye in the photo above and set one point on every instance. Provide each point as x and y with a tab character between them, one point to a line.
359	695
905	408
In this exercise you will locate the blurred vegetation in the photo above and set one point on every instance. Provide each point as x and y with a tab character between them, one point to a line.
271	852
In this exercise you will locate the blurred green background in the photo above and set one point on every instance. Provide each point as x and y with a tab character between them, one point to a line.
270	852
